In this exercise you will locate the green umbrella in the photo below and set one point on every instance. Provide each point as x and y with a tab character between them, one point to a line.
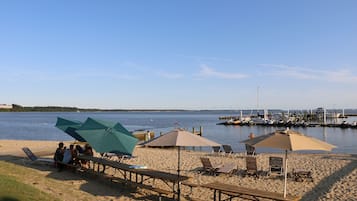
70	127
106	136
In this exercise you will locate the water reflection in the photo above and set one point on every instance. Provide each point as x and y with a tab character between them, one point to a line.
324	136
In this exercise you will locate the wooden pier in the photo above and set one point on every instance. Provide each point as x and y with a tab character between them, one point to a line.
142	135
291	124
294	118
199	132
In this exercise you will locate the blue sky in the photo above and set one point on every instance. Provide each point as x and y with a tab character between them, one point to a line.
179	54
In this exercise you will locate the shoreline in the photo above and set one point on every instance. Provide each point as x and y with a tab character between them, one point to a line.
335	175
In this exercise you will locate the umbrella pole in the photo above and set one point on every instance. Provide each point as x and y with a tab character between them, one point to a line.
178	174
285	172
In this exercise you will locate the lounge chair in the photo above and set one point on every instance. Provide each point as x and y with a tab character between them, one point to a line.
250	150
34	158
251	164
228	149
216	150
208	167
229	168
276	165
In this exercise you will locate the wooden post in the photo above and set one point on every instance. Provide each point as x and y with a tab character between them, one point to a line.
193	131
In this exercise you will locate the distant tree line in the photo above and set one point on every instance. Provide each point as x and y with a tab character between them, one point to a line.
19	108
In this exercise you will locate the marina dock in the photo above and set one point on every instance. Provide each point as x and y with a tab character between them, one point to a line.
289	124
319	117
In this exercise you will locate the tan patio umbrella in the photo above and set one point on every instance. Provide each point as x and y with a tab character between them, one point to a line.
288	140
180	138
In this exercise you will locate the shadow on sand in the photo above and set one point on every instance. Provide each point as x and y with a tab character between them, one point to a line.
94	184
327	183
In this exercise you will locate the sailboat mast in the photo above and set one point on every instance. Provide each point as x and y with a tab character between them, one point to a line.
257	97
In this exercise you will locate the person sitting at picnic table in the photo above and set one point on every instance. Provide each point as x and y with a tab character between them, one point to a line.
74	154
89	152
58	153
79	149
67	156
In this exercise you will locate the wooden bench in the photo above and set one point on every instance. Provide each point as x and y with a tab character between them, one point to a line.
191	185
112	178
247	197
247	193
254	194
159	191
67	165
162	192
196	199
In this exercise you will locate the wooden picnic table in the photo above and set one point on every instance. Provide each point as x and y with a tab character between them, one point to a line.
130	168
128	171
237	191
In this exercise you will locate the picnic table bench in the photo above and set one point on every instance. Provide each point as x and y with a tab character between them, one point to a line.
237	191
67	165
161	192
135	175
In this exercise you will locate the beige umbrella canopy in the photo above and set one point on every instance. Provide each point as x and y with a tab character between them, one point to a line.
288	140
180	138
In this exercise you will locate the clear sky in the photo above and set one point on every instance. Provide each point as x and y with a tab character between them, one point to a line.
182	54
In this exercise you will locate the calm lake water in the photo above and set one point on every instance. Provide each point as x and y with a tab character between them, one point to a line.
40	126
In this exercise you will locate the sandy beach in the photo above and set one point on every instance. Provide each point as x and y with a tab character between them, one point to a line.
335	175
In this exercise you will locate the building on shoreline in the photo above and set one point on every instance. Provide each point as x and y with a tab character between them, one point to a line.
5	106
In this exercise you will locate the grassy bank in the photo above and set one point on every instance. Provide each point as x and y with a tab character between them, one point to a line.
19	183
12	189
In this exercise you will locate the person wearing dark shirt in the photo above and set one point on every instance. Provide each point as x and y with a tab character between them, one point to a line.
58	157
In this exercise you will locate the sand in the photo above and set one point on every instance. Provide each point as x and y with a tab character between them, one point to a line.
335	175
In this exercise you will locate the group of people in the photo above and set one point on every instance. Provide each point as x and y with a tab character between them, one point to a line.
64	155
